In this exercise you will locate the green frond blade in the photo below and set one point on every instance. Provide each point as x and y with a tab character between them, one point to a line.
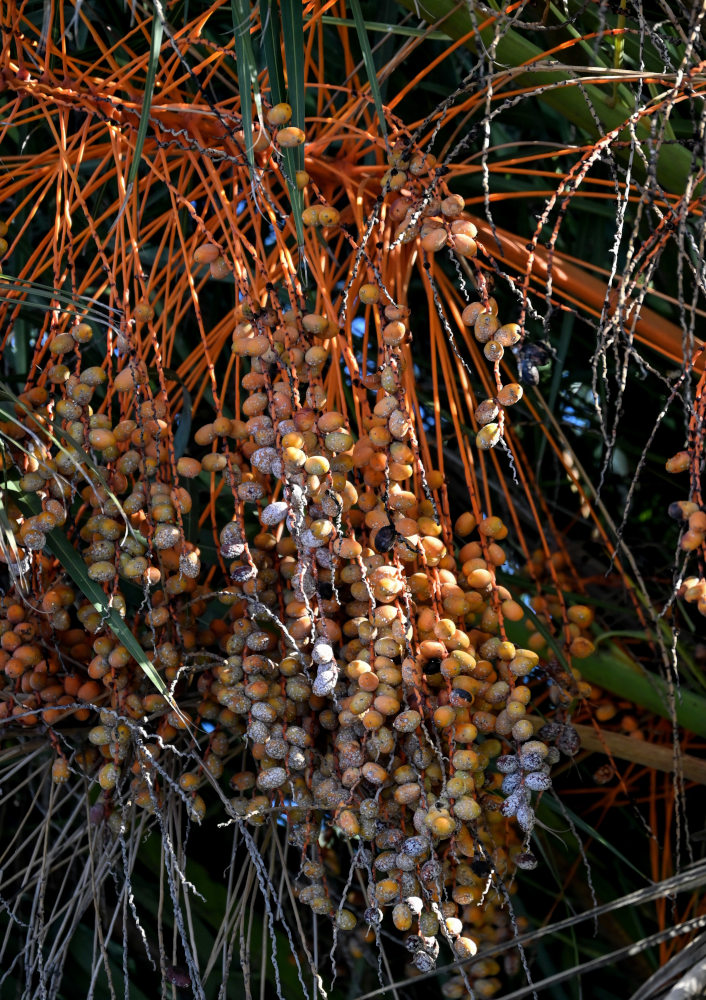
155	46
271	34
294	46
247	73
369	65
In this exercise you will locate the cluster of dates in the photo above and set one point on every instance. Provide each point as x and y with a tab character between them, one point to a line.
359	650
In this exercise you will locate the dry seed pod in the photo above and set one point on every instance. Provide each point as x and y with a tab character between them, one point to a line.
143	311
678	463
290	137
485	413
273	778
682	510
509	334
219	268
314	323
310	216
393	180
60	771
434	239
108	776
279	114
206	253
493	351
329	216
485	326
61	343
463	245
452	206
133	375
421	163
488	436
697	521
510	394
187	467
369	294
465	227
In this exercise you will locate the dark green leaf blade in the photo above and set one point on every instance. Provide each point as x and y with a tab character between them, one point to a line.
271	39
155	46
294	45
369	64
247	72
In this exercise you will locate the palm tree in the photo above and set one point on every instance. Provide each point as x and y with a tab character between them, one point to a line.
337	398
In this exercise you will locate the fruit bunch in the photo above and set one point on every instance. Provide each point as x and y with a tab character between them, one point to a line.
349	631
690	514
